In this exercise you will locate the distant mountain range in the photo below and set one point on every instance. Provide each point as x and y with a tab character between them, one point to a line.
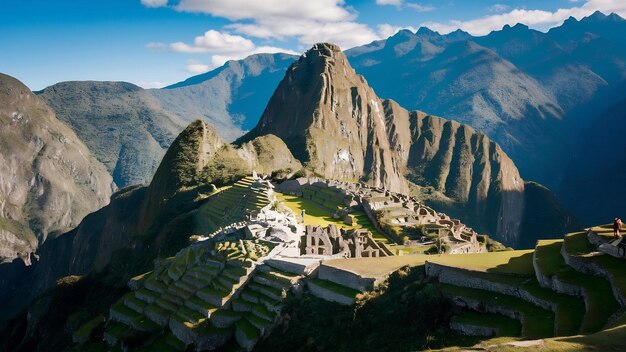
533	93
129	128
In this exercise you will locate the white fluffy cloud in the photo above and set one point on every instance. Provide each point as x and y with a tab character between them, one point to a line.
320	10
389	2
215	42
154	3
221	46
197	67
308	21
386	30
532	18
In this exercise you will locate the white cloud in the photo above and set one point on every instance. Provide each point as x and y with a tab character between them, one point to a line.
344	34
389	2
215	42
532	18
498	8
419	8
222	46
154	3
308	21
320	10
400	4
197	67
151	84
386	30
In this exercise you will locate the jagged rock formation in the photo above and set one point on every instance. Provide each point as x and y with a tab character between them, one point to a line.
332	120
48	179
335	123
122	124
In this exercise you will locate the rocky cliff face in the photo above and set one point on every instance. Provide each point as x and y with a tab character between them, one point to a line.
122	124
334	122
48	178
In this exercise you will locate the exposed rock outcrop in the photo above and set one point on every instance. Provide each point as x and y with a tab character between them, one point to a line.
336	124
332	120
48	178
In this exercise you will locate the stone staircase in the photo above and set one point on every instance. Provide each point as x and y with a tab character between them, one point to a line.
565	288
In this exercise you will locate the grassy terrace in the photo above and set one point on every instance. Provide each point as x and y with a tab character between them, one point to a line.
248	329
537	322
503	326
506	262
576	244
515	268
319	216
376	267
83	333
336	288
601	303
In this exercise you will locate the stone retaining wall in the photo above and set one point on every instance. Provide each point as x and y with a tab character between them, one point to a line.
593	269
472	330
464	278
329	295
347	278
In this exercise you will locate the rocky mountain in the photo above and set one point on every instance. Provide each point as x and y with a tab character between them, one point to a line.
533	93
339	128
129	129
231	97
122	124
145	222
49	180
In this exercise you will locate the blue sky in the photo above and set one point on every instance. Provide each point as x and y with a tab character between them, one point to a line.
157	42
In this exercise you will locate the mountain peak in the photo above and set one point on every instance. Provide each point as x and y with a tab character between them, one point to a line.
594	17
427	32
325	49
331	119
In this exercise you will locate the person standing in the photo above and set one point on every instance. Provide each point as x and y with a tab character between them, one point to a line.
617	226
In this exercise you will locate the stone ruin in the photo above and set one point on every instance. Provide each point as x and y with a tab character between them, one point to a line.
385	207
332	241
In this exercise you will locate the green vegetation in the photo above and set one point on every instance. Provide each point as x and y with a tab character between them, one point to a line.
320	216
600	301
336	288
403	315
576	244
506	262
248	329
85	331
376	267
536	322
503	326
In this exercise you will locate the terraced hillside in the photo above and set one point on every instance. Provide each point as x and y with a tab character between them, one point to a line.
207	295
230	205
562	288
